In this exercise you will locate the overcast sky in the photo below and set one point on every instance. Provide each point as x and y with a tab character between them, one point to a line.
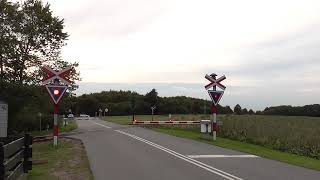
268	50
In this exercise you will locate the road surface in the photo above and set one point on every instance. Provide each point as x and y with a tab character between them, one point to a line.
119	152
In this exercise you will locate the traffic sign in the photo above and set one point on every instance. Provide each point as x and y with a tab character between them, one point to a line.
215	82
56	92
215	96
52	75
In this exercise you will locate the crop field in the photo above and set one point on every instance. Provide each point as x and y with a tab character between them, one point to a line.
294	134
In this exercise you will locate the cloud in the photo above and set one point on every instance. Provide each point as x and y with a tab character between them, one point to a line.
267	49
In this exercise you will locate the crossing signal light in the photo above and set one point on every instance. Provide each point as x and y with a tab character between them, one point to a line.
56	92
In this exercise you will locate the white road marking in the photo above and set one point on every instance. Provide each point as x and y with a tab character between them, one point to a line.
180	156
100	124
222	156
186	158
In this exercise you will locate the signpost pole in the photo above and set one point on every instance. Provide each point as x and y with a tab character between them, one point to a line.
152	113
40	121
55	124
214	113
214	122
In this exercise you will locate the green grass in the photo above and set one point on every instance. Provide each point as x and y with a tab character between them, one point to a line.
68	160
287	139
72	125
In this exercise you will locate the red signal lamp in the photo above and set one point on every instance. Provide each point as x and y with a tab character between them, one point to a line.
56	92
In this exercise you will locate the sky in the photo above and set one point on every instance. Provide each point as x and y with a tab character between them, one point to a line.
267	49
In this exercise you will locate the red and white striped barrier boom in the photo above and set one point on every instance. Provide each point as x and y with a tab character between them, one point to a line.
165	122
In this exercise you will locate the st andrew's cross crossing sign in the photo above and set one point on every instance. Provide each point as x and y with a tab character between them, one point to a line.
56	92
53	75
215	96
215	82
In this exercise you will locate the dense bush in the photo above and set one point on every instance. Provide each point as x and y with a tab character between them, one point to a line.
25	102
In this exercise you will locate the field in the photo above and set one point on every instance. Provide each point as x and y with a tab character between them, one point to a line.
293	134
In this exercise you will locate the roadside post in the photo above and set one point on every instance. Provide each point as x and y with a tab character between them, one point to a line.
40	114
100	112
105	111
56	84
3	119
152	110
215	97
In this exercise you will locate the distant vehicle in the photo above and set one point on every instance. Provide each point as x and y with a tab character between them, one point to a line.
84	116
70	116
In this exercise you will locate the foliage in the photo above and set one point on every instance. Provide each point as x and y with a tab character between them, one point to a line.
237	109
308	110
25	103
128	102
30	38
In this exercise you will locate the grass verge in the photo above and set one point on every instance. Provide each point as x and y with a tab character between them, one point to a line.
68	161
72	125
246	147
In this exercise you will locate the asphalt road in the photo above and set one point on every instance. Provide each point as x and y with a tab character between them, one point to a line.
119	152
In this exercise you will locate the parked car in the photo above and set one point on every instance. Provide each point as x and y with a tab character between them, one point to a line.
70	116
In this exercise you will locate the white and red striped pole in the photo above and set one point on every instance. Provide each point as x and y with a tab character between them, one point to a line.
214	123
214	113
55	124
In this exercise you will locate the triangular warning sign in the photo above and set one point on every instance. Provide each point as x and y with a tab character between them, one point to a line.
56	92
215	96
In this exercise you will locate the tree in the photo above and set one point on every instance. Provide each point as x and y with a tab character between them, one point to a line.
237	109
244	111
251	112
7	18
152	98
228	110
37	37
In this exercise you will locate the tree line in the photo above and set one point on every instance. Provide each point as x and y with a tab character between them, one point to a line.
128	102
